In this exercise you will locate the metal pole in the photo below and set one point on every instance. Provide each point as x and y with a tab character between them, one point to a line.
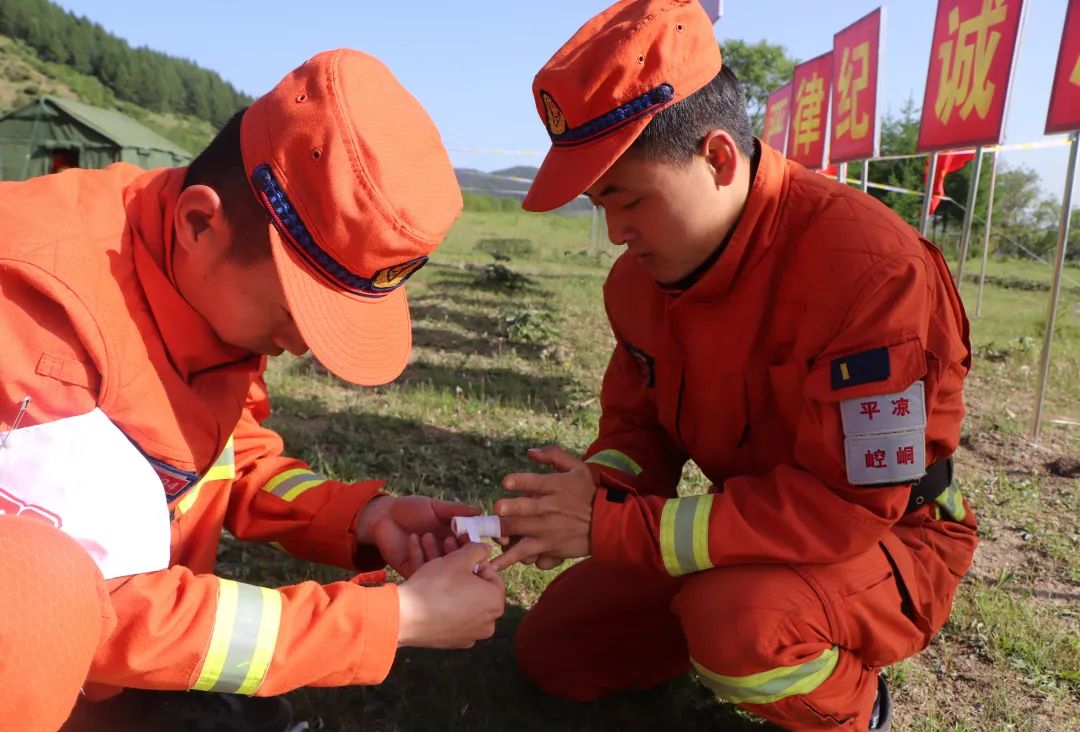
986	233
865	175
1063	239
841	173
924	222
969	216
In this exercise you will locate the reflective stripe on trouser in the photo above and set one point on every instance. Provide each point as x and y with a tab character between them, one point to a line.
616	460
772	685
740	620
224	468
292	483
684	534
243	640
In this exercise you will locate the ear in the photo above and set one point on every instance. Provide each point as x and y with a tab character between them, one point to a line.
199	221
722	155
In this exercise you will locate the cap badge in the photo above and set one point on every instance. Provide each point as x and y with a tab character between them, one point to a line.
556	121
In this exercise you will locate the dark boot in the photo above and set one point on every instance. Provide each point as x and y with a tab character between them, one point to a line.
137	710
881	717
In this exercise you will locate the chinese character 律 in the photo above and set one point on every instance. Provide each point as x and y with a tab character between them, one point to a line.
905	455
965	62
875	459
849	85
900	407
869	409
809	102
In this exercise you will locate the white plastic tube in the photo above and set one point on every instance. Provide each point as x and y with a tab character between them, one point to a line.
476	527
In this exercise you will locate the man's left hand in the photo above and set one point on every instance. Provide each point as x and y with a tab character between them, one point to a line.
410	530
551	520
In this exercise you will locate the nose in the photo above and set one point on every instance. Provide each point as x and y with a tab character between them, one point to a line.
618	231
290	339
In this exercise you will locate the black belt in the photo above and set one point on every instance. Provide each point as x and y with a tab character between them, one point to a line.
938	477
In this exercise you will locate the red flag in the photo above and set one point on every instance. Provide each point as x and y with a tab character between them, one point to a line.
949	162
830	172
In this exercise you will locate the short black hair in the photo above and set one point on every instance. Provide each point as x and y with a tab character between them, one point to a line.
675	133
221	167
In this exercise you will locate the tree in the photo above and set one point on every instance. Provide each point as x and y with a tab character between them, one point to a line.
761	68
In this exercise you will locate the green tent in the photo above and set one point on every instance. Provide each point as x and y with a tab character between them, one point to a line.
52	134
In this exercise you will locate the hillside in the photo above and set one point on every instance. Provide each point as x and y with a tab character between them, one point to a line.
24	76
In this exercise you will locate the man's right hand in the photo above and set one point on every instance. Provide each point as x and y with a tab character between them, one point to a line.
445	605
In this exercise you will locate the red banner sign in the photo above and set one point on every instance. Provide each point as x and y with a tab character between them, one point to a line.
855	87
810	111
1064	114
777	117
971	63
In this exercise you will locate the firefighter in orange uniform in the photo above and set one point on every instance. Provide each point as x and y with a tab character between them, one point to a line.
139	309
797	341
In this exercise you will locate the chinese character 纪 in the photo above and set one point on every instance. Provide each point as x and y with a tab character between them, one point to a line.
965	62
808	107
869	409
905	455
900	407
849	85
875	458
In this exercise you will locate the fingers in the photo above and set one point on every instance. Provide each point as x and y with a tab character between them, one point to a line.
431	547
415	552
523	549
540	484
554	456
471	554
524	526
516	507
546	563
486	572
445	510
450	544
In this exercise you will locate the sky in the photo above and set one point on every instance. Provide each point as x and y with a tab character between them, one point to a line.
471	64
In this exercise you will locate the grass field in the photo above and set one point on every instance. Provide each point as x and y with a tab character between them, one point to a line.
511	358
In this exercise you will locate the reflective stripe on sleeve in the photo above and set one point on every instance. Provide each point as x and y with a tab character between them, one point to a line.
774	684
616	460
242	643
224	468
292	483
684	534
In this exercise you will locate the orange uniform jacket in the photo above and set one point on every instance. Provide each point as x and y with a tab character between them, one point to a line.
91	320
741	373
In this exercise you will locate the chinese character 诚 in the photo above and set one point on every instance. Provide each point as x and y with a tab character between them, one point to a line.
965	62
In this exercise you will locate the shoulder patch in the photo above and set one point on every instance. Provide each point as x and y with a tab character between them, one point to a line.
860	368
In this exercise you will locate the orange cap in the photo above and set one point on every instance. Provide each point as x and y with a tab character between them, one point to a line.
599	91
360	190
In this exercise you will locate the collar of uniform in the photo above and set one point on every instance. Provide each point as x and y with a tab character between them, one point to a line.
751	238
191	343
